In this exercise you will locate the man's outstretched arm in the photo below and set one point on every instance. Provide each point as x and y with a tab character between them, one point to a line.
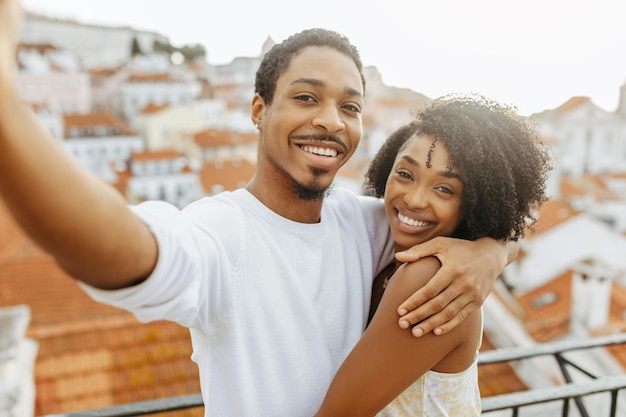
468	273
72	214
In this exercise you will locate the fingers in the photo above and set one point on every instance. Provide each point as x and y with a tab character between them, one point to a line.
444	321
439	309
428	248
429	300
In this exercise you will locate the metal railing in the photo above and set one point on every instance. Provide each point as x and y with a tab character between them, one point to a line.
564	394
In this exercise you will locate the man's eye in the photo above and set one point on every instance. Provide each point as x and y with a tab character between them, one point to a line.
304	98
353	108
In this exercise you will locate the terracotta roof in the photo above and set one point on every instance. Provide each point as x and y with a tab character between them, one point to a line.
228	175
11	237
145	78
153	108
594	186
571	104
497	378
551	213
41	48
212	137
103	72
94	120
122	179
113	361
548	308
90	355
155	155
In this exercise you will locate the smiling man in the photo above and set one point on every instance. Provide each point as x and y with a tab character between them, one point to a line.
274	280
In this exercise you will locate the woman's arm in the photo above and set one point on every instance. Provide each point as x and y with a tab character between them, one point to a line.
388	359
467	276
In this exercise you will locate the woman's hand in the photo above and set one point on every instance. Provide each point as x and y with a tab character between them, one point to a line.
466	277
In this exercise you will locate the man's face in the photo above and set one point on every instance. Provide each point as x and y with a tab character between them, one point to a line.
313	125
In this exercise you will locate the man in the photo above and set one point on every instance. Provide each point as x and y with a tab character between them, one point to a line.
273	280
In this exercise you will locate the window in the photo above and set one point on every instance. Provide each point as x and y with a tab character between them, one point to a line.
544	300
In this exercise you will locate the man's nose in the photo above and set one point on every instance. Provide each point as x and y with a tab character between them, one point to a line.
329	119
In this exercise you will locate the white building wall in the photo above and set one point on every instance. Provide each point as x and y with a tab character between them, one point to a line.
17	362
167	128
99	154
136	96
63	92
177	189
97	46
587	139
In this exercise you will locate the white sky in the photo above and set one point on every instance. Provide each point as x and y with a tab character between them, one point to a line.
534	54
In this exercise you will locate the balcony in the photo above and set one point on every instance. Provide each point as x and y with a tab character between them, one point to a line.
593	395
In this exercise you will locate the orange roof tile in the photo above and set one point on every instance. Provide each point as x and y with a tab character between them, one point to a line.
547	309
153	108
551	214
11	236
155	155
594	186
228	174
41	48
144	78
497	378
571	104
94	120
213	137
92	355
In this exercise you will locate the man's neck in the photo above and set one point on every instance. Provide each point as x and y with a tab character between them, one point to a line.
287	204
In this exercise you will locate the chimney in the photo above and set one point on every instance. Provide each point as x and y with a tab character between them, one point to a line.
591	294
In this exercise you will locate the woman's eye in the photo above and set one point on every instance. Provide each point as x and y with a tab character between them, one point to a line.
445	190
404	174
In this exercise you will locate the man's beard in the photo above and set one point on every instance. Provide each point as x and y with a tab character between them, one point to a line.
312	191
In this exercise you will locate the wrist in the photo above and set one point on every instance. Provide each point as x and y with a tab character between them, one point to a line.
499	249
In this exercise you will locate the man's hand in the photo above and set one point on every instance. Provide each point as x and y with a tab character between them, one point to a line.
10	20
466	277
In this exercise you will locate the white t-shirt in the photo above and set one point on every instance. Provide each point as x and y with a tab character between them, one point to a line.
274	306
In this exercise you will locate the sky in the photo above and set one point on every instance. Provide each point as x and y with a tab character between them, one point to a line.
532	54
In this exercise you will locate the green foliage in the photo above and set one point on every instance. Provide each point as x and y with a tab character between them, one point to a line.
135	48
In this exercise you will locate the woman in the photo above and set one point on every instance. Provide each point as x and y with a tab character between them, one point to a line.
466	167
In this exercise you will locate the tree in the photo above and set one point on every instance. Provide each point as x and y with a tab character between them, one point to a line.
135	48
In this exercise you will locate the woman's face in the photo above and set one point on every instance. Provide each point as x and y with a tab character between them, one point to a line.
423	193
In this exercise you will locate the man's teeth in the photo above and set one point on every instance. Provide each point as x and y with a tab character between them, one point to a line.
410	221
320	151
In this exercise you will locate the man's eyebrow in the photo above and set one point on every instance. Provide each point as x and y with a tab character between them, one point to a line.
312	81
319	83
447	173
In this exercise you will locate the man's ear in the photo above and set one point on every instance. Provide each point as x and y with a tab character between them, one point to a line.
257	109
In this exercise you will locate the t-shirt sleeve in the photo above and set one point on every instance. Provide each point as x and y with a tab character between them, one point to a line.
172	291
379	231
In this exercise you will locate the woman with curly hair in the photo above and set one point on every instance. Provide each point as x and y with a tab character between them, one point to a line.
466	167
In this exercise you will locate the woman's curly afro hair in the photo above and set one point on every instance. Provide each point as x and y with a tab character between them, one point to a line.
499	154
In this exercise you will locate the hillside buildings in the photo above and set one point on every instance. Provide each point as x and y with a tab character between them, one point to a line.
157	128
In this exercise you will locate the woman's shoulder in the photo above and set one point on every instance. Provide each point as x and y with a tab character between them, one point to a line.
418	272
